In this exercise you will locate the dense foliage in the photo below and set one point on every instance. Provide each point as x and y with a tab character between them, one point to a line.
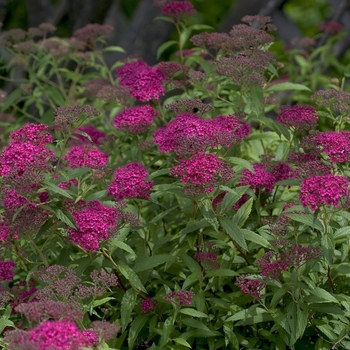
201	203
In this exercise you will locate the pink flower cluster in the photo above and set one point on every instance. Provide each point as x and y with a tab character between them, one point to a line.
249	284
298	117
55	335
130	181
189	133
144	82
135	119
27	150
208	259
335	144
182	297
95	223
177	9
148	304
95	135
85	156
322	190
6	273
332	27
203	169
260	179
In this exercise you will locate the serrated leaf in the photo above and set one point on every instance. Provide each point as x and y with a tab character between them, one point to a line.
119	244
152	261
159	172
135	329
168	327
242	162
55	189
131	276
192	312
307	219
195	324
321	296
127	306
208	214
182	341
254	237
243	213
165	46
233	231
287	86
251	312
64	218
194	226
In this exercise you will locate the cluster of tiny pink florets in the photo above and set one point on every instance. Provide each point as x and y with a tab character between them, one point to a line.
177	9
135	119
6	270
320	190
258	179
298	117
148	304
190	133
335	144
95	223
95	135
27	150
130	181
144	82
182	297
85	156
57	335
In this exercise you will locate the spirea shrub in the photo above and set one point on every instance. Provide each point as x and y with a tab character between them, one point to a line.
201	203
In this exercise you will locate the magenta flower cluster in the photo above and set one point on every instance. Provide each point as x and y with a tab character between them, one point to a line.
96	136
298	117
55	335
320	190
27	150
85	156
95	223
148	304
177	9
135	119
249	284
130	181
144	82
189	133
6	270
335	144
208	259
182	297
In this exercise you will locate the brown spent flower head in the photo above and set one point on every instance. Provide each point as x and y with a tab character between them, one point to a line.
337	100
263	22
191	105
92	32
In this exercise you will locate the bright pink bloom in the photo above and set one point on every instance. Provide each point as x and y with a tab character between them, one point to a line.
130	181
208	259
177	9
250	285
144	82
37	134
261	178
95	223
182	297
332	27
148	304
85	156
202	169
323	190
135	119
335	144
6	273
298	117
272	265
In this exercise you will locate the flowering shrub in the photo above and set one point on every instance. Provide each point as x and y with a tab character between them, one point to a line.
161	207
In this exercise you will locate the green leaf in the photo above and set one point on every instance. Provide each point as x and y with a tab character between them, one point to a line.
233	196
118	244
135	329
75	173
208	214
97	195
243	213
197	225
287	86
193	312
101	301
64	218
10	99
127	306
320	295
307	219
159	172
55	95
5	319
221	273
165	46
242	162
254	237
131	276
166	330
190	263
182	341
114	49
55	189
247	313
195	324
162	215
233	231
152	261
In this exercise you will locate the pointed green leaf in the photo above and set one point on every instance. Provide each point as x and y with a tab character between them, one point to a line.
131	276
127	306
233	231
152	261
135	329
